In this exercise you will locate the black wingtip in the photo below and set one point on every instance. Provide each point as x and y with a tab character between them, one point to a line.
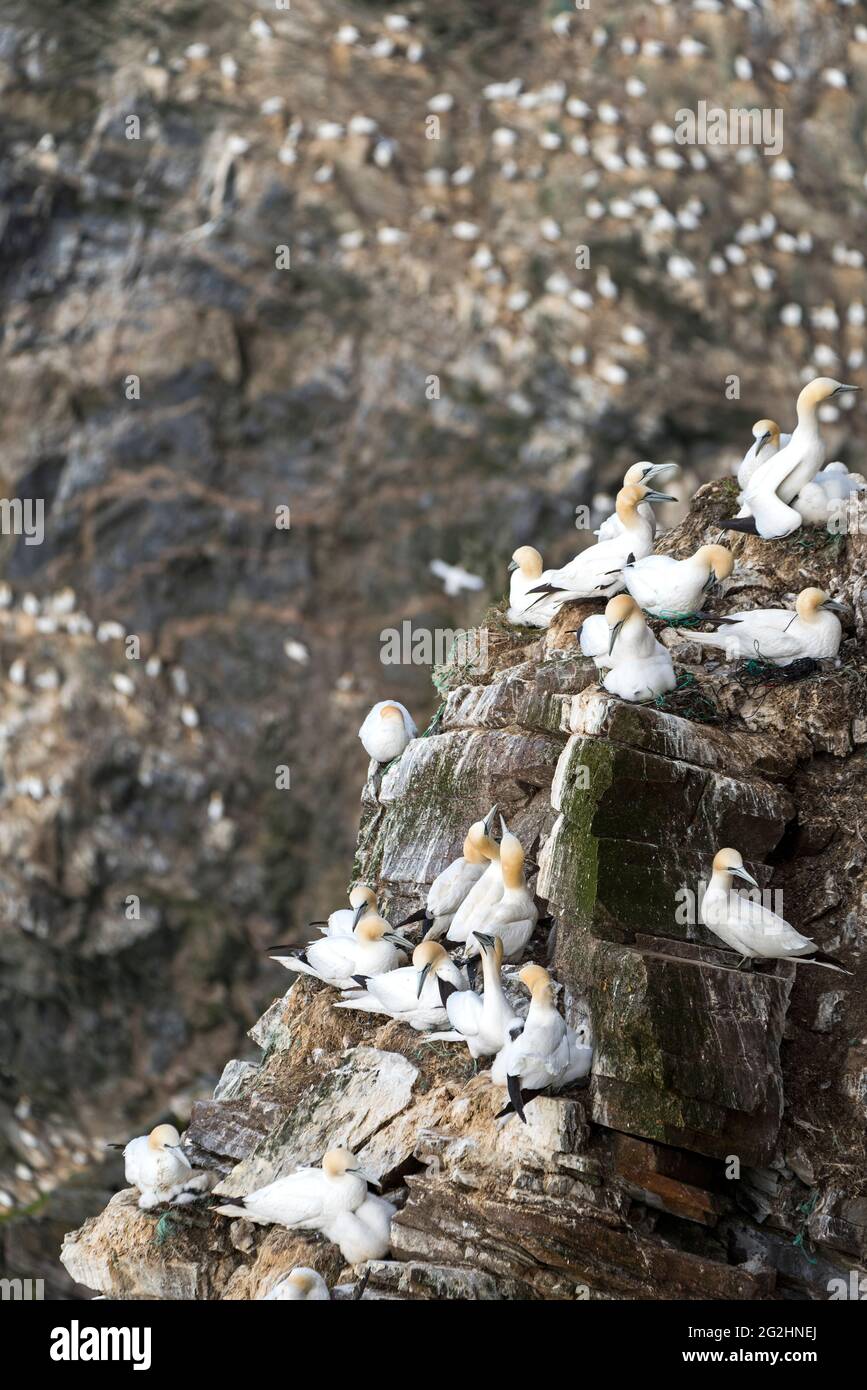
822	958
746	524
513	1084
116	1146
473	969
420	916
361	980
447	989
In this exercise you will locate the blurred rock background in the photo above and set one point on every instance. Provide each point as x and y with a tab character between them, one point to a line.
429	377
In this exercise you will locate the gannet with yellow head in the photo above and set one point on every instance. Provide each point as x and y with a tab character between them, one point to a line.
156	1164
670	588
387	731
767	441
343	921
414	994
545	1053
482	1023
513	919
372	949
777	634
641	472
486	892
450	888
526	570
303	1285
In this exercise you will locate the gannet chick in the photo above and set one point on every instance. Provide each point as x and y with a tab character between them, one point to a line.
332	1199
373	949
303	1285
482	1023
344	921
513	919
450	887
775	484
596	572
638	473
825	498
485	893
414	994
156	1164
746	926
544	1054
777	634
387	730
767	441
675	588
526	571
645	669
455	578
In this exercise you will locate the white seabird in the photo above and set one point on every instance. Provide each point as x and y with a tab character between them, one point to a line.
413	994
638	473
332	1199
303	1285
450	888
777	634
373	949
484	894
642	668
483	1023
597	571
545	1053
767	441
156	1164
344	920
824	500
526	570
513	918
768	495
387	730
746	926
455	578
670	588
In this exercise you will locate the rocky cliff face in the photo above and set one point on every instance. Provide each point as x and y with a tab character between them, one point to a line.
719	1150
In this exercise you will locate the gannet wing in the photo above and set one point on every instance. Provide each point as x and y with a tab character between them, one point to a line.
464	1009
758	927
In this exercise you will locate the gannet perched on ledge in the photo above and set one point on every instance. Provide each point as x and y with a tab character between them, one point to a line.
344	921
373	949
484	894
413	994
156	1164
596	572
526	570
641	668
638	473
778	634
387	730
482	1023
332	1199
767	441
303	1285
746	926
514	917
770	491
670	588
544	1053
450	888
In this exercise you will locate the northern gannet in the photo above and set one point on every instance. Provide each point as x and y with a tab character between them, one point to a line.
156	1164
332	1199
455	578
596	572
670	588
621	623
545	1053
484	894
413	994
642	668
778	634
773	487
373	949
526	571
638	473
767	441
450	888
513	918
483	1023
344	921
387	730
303	1285
746	926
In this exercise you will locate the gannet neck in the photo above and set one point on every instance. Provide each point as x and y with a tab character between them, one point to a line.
512	862
626	506
529	561
472	851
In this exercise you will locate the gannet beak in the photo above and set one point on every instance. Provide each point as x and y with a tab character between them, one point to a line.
513	565
834	606
659	468
845	388
615	633
358	914
490	818
760	443
422	976
742	873
654	496
485	942
397	940
504	829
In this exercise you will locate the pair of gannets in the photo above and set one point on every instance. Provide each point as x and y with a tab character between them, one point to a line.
450	888
770	492
777	634
767	441
670	588
504	907
372	949
156	1164
387	730
746	926
333	1199
483	1023
636	666
543	1053
414	994
638	473
534	598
